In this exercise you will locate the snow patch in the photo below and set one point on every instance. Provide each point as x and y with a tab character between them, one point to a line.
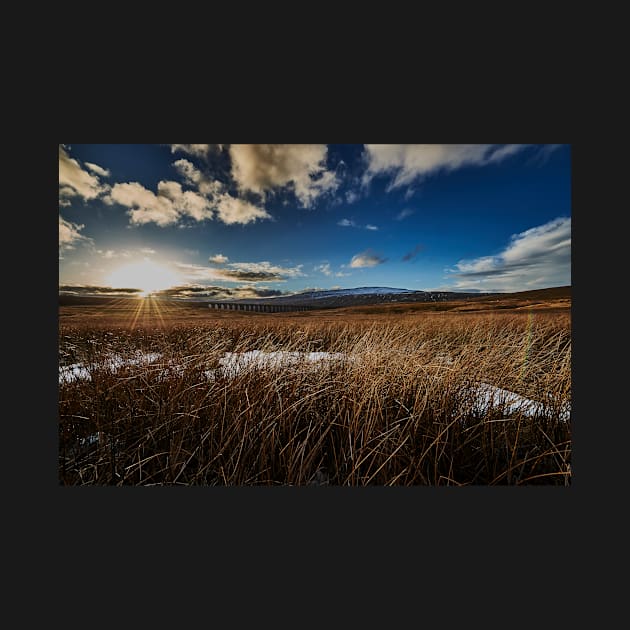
81	372
234	362
487	397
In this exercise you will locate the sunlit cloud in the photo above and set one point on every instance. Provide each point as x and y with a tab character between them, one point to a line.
86	289
368	258
241	272
74	181
219	259
325	269
197	150
267	267
192	176
99	170
261	168
231	211
114	253
70	234
199	291
169	206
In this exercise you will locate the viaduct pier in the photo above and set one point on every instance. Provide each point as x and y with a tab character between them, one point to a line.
258	308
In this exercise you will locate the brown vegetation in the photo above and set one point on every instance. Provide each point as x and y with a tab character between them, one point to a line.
397	410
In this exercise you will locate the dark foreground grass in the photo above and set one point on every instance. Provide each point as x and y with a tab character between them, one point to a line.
398	409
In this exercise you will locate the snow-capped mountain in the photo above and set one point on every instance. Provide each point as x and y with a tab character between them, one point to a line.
335	298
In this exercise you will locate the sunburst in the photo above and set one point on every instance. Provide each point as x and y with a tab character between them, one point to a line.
147	276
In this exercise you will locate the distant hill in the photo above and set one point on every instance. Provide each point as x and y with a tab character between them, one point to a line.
89	300
359	296
553	293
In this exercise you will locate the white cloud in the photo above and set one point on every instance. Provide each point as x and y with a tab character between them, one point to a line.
325	269
241	272
263	167
267	267
198	150
70	234
74	181
368	258
203	291
407	162
219	259
110	253
187	203
169	206
231	210
148	251
351	223
194	177
145	206
404	213
99	170
505	151
534	259
351	196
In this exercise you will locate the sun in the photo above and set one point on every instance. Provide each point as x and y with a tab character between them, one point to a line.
146	275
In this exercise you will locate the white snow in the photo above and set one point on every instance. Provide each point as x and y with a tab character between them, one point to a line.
234	362
74	372
488	397
79	371
231	363
485	396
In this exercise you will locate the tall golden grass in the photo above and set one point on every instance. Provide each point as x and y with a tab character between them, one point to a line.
397	410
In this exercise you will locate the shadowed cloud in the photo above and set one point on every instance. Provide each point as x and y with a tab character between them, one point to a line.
413	254
80	289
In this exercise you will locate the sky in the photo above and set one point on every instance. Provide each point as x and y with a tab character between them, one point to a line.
217	221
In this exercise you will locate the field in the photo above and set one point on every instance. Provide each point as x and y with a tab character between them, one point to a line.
153	392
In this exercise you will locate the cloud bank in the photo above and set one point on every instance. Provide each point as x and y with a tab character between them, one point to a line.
241	272
534	259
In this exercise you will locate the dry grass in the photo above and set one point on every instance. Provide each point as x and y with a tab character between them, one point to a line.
397	411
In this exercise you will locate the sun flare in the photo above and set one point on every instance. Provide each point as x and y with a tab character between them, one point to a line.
146	275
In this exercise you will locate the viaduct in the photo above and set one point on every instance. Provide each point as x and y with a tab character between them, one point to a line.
258	308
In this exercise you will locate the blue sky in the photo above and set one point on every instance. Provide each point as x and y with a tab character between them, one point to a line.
218	221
